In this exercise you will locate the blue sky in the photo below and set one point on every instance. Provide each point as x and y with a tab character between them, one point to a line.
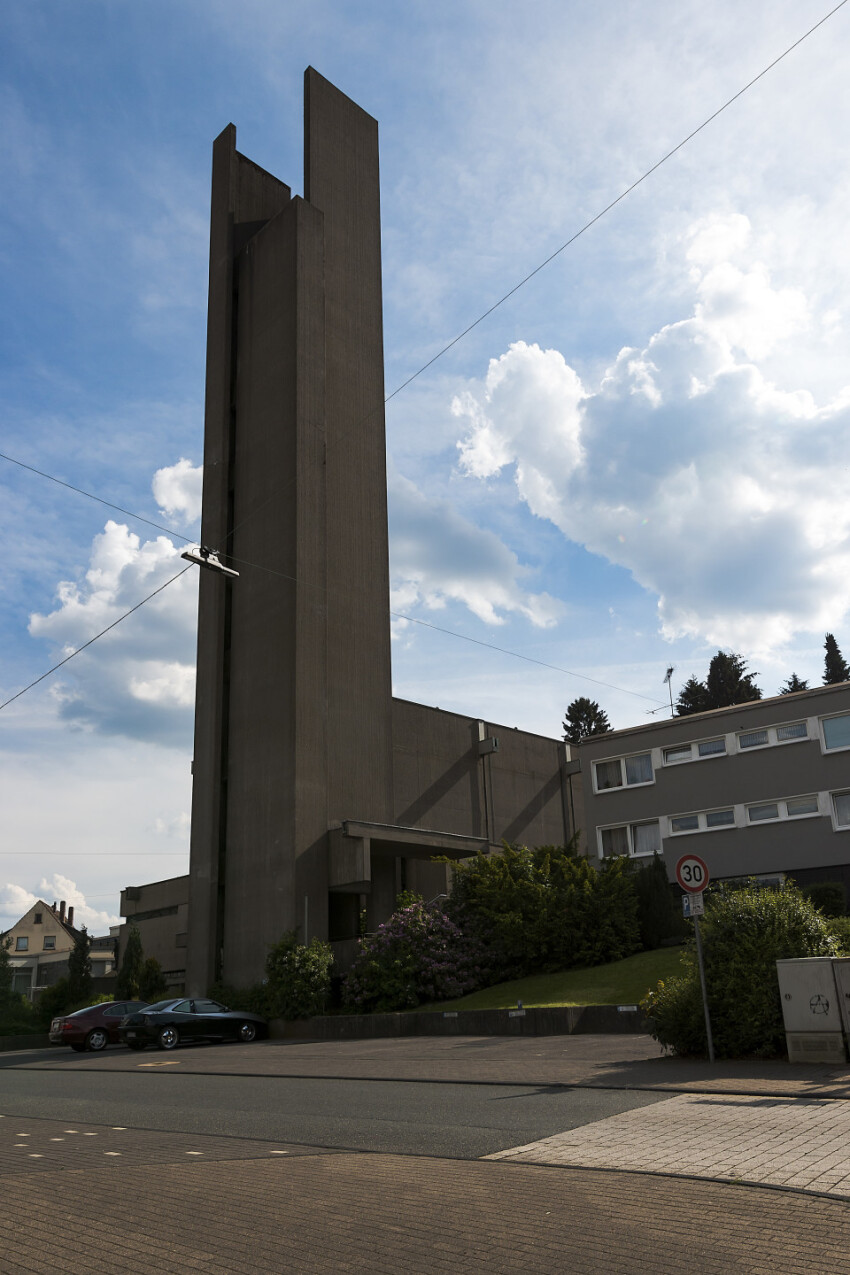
637	459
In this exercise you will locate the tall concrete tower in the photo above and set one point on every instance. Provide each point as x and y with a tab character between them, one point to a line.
293	728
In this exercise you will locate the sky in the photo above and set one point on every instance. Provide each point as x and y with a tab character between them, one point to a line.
638	459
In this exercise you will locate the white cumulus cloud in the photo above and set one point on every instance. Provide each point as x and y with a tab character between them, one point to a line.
436	556
16	901
723	493
177	490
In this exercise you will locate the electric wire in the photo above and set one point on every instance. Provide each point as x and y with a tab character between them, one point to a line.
95	638
444	350
100	500
553	255
614	202
256	566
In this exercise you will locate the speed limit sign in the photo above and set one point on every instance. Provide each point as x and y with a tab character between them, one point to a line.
692	874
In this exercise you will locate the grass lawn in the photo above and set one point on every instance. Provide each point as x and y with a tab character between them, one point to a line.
620	983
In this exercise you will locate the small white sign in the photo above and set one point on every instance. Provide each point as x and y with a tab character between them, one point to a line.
693	905
516	1013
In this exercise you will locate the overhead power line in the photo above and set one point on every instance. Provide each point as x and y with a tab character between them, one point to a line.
614	202
108	628
444	350
90	496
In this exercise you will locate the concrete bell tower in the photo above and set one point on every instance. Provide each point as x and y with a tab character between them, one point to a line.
293	729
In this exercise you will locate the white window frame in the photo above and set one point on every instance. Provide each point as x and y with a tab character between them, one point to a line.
772	741
693	751
843	748
781	804
836	826
629	827
606	761
702	817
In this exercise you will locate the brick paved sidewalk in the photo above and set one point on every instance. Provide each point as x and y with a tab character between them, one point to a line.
392	1215
797	1143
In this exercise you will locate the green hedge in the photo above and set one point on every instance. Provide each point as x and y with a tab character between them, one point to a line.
744	932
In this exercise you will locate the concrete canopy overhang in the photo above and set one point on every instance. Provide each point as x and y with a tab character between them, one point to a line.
351	846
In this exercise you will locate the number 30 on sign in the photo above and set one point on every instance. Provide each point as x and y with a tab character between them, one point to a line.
692	874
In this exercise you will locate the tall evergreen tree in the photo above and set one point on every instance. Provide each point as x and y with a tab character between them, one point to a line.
132	967
79	968
728	682
693	697
835	668
793	684
584	717
5	974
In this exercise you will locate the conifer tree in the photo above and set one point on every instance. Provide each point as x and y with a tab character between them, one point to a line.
79	968
793	684
132	966
584	717
835	668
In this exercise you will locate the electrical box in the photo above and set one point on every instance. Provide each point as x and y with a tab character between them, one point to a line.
811	1009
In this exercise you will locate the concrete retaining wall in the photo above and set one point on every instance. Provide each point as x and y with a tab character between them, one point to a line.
24	1042
561	1021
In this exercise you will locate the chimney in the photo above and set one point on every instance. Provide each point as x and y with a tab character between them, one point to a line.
62	910
53	906
70	916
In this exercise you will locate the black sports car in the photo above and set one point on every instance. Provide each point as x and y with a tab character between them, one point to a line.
167	1023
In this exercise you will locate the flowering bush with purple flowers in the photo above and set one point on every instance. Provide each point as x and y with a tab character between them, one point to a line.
416	957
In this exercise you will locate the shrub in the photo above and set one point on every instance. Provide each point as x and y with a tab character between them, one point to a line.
659	913
744	932
419	955
298	977
827	896
545	909
839	928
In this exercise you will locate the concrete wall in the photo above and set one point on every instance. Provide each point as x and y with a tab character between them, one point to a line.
441	781
160	911
735	779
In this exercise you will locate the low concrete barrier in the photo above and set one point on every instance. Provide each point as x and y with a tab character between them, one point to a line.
555	1021
24	1042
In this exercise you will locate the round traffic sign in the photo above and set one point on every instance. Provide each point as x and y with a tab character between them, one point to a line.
692	874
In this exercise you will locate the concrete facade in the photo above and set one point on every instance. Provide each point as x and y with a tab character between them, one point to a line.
313	789
160	912
758	789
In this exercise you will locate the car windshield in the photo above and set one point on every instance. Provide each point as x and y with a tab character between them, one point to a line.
161	1005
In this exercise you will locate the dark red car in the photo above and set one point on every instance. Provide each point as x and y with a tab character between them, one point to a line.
94	1027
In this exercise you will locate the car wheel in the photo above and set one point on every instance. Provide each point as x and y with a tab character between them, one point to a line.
168	1038
78	1049
97	1039
246	1032
137	1044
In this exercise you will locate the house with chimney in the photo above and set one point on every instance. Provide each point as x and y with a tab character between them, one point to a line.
40	944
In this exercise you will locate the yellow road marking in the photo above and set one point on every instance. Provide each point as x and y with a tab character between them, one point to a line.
171	1062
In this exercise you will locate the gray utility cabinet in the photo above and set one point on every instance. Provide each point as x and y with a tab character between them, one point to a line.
811	1009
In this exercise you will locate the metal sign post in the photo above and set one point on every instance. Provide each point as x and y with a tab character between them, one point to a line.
692	875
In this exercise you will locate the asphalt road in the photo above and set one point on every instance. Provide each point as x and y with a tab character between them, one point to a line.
405	1118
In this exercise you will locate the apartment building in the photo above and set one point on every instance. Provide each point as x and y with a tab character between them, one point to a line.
759	789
